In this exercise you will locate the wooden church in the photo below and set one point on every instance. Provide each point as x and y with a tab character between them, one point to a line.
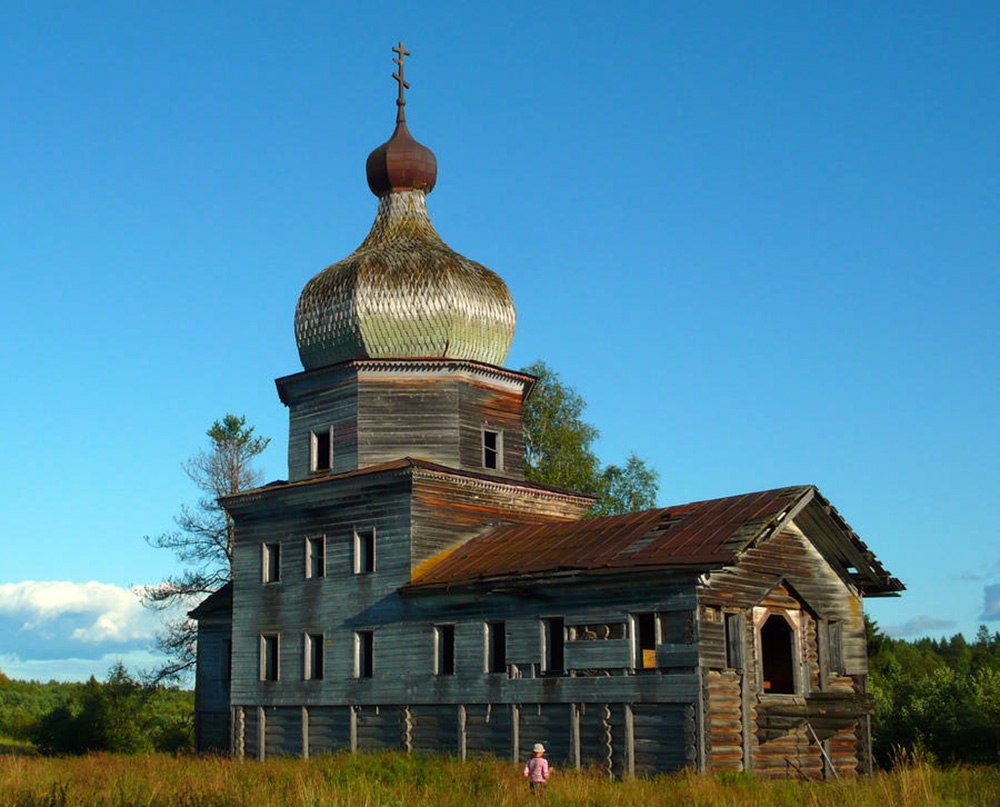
408	588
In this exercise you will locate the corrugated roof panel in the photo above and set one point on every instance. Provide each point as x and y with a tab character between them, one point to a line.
699	532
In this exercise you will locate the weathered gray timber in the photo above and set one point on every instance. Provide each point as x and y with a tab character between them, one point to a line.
379	411
824	719
691	689
212	728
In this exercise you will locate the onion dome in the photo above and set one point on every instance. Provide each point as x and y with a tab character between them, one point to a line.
404	293
401	164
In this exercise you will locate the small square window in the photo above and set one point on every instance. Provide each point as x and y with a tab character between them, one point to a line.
271	563
492	449
364	654
321	450
496	647
444	644
364	551
316	557
314	657
269	657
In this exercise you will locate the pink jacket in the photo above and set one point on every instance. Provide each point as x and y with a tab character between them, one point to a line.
537	769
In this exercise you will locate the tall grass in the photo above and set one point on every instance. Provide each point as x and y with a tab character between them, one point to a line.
396	779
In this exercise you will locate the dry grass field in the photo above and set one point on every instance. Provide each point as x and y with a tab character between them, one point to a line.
397	779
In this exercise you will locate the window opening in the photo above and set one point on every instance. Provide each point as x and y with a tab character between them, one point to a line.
492	449
598	632
321	450
316	557
272	563
314	657
777	656
836	648
444	641
496	656
554	639
364	658
268	658
227	660
364	551
734	641
645	641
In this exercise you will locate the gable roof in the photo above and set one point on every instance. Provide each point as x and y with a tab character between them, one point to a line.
218	603
703	534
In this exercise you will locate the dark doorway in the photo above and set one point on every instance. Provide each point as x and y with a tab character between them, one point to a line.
777	658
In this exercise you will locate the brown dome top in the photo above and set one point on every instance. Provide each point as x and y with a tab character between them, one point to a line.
401	164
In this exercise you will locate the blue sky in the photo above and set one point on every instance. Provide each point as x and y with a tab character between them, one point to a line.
760	239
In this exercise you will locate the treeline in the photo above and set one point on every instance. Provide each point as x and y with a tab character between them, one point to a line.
935	699
120	715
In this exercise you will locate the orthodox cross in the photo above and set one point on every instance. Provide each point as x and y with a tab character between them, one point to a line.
403	83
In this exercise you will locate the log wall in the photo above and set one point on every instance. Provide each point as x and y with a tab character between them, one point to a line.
747	728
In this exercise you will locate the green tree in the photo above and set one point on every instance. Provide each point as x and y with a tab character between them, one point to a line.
204	538
113	717
558	449
121	715
627	489
936	698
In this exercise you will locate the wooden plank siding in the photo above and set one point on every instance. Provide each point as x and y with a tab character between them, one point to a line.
335	605
408	416
497	408
335	406
743	723
382	412
212	680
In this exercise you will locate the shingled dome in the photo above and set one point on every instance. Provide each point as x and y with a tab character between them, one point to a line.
404	293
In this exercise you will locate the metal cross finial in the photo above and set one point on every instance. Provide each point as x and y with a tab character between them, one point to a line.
402	52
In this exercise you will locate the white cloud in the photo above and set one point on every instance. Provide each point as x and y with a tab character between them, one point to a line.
98	612
991	603
64	630
918	625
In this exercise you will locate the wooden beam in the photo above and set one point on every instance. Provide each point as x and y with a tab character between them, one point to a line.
575	730
629	740
515	732
462	718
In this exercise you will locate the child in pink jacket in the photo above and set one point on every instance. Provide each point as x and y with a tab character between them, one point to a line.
537	770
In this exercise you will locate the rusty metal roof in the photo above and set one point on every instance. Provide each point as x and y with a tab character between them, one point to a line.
700	533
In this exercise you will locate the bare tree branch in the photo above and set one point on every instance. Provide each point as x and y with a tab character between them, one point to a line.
204	538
